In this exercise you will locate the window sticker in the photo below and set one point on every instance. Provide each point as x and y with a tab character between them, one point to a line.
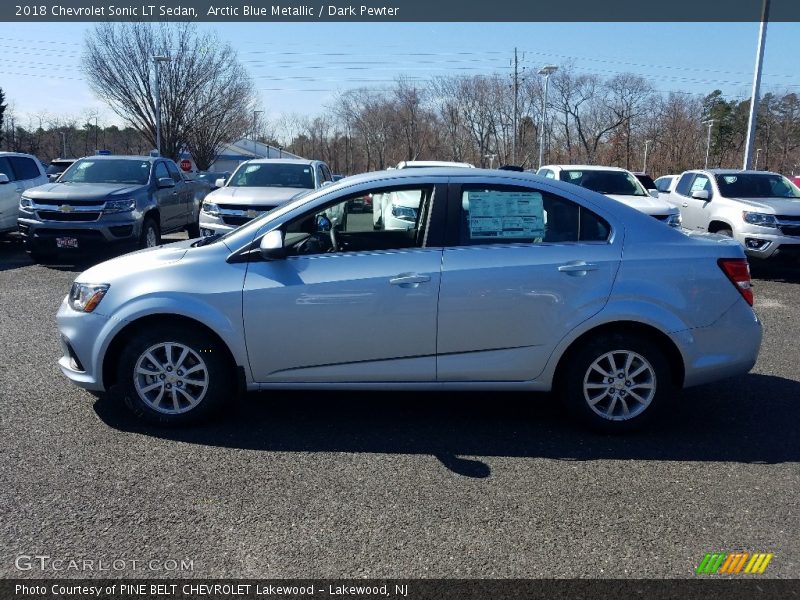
505	215
699	184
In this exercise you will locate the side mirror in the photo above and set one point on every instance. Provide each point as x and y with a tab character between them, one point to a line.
4	178
701	195
166	182
220	182
653	193
54	177
326	183
271	246
324	224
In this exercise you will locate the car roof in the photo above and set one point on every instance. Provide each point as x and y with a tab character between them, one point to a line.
6	153
282	161
407	164
736	172
585	168
121	156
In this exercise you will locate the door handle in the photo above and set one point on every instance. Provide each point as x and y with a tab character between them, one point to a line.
409	279
578	268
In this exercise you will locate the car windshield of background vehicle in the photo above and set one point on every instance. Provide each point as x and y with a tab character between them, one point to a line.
756	185
274	175
89	170
616	183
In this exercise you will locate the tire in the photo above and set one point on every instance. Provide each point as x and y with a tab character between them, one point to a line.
146	240
159	391
193	228
725	232
595	405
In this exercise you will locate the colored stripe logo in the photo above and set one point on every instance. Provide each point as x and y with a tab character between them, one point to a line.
734	563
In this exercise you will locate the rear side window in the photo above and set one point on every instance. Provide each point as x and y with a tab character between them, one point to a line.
662	184
683	184
326	173
507	214
24	168
547	173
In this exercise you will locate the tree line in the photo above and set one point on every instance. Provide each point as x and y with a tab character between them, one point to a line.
208	100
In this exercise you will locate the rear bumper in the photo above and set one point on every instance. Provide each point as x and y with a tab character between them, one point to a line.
725	348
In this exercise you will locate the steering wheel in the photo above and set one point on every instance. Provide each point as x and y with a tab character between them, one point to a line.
334	240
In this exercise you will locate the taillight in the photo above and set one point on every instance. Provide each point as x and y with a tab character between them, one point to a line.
738	271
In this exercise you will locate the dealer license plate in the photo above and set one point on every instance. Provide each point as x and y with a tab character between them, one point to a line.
66	242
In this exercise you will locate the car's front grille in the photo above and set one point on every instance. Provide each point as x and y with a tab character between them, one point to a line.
55	215
231	220
789	224
239	214
661	217
245	207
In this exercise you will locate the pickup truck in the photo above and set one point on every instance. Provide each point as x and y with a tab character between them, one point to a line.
103	200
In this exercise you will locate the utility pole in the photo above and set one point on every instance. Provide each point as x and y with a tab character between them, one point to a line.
545	71
96	130
255	148
644	166
752	120
516	110
758	153
491	158
64	143
158	60
710	124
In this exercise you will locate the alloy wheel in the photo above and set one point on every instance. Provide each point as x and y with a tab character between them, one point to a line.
170	378
619	385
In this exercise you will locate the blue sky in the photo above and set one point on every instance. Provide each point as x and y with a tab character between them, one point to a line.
299	67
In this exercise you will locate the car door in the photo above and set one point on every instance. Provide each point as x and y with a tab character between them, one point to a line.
363	312
168	199
185	193
9	196
694	211
523	266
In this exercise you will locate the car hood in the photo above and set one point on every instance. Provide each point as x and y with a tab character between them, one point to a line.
645	204
270	196
80	191
777	206
142	260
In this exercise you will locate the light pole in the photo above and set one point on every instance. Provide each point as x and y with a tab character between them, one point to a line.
255	149
758	152
157	60
491	158
546	70
753	117
644	166
710	124
64	143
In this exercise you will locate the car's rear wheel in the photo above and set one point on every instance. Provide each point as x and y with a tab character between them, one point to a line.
171	375
151	234
616	383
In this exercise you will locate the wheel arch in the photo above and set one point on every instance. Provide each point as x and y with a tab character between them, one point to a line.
716	224
114	350
670	349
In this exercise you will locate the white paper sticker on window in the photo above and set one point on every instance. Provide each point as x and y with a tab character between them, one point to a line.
505	215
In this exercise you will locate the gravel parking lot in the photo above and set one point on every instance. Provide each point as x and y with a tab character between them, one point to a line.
393	485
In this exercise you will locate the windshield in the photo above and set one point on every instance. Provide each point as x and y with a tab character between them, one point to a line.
617	183
756	185
273	175
121	170
211	177
57	167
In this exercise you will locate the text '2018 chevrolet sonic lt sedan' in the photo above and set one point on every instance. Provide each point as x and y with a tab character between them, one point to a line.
505	281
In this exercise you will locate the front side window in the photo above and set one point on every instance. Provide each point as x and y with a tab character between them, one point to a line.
701	183
285	175
5	168
24	168
348	226
161	171
90	170
509	215
174	172
683	184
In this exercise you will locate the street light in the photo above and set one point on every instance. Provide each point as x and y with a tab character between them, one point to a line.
758	152
491	158
644	166
157	60
752	118
546	70
255	149
710	124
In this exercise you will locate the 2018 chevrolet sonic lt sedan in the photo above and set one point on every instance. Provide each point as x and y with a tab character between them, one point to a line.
504	281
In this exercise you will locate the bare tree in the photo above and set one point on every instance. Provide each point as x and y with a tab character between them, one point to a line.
202	72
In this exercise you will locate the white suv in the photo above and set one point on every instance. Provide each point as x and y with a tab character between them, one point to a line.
758	208
618	184
18	172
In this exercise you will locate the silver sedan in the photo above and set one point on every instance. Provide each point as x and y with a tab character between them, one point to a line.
501	281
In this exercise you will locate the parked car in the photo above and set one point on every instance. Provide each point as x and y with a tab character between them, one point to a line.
796	180
256	187
212	178
761	210
646	181
18	172
618	184
57	166
666	183
398	210
505	281
103	200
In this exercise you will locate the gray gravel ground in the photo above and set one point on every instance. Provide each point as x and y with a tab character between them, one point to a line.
389	485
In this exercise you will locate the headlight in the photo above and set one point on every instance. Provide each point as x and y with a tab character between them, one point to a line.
761	219
25	203
674	220
118	206
84	297
406	213
211	209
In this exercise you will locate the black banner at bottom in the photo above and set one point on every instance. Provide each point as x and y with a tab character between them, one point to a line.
397	589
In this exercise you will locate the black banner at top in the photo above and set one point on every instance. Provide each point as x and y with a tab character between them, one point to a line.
398	10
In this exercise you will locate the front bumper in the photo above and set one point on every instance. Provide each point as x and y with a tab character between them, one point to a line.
768	242
114	229
81	337
723	349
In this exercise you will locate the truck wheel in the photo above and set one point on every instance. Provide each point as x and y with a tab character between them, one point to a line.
151	235
617	383
173	375
725	232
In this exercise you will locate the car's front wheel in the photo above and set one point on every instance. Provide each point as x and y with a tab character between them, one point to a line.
171	375
151	234
616	383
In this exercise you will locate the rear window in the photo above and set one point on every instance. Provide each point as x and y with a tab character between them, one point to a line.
24	168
